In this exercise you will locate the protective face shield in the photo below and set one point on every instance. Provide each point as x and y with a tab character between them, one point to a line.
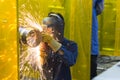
55	22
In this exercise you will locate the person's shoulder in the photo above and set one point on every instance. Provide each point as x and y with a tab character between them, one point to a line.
70	42
71	45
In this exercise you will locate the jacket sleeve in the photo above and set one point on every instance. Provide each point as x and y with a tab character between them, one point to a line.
69	54
98	1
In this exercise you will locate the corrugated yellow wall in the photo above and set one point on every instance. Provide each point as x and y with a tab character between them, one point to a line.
8	40
78	28
117	37
109	29
77	14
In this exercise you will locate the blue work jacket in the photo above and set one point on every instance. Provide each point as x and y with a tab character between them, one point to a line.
58	66
94	37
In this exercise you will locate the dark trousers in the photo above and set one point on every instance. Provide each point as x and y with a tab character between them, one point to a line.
93	66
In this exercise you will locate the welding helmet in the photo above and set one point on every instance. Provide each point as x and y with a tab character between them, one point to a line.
56	21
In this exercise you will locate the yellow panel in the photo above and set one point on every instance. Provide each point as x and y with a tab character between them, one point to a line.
78	28
8	40
107	28
117	38
77	14
109	35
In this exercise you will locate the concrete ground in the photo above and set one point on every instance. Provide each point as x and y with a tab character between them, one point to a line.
104	62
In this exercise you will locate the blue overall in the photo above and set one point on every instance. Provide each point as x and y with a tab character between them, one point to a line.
58	66
95	42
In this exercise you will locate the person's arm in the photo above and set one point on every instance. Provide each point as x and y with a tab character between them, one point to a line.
69	54
100	1
99	6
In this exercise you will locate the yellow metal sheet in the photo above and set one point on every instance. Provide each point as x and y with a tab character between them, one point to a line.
77	14
8	40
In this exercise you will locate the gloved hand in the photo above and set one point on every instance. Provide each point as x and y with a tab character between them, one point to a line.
51	42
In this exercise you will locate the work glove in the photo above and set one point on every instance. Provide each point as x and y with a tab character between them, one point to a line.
51	42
